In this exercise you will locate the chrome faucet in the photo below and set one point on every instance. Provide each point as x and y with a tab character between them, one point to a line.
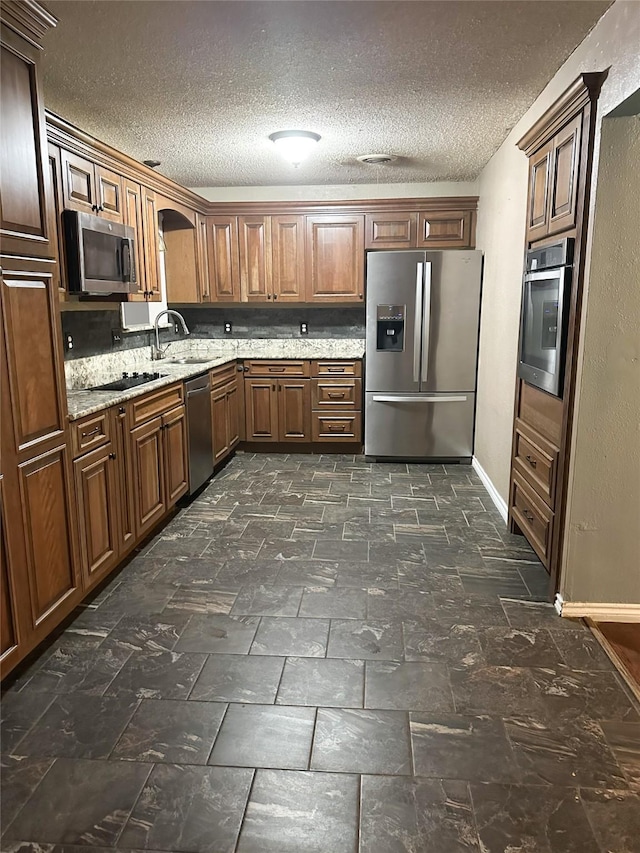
157	351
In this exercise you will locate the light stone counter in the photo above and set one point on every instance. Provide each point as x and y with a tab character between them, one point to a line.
84	373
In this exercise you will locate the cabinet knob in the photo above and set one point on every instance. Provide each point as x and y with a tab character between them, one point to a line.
122	410
360	296
268	296
275	295
533	462
94	207
112	456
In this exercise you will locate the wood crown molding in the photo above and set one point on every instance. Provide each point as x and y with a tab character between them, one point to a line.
28	19
582	91
63	133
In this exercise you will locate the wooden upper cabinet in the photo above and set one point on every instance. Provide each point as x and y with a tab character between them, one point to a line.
538	201
445	229
391	230
132	216
254	234
34	360
222	242
78	183
54	212
180	263
23	216
564	169
109	194
335	258
153	290
204	286
287	258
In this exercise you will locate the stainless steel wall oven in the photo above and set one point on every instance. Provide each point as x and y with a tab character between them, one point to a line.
543	317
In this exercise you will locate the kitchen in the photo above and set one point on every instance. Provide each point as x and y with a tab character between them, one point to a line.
502	190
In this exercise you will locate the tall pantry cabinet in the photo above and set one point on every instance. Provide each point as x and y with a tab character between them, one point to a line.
39	576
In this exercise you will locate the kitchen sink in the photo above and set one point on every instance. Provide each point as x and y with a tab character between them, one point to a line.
192	360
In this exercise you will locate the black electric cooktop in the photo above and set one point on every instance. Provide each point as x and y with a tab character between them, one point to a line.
128	381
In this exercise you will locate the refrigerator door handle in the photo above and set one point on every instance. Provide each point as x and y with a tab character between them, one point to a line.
417	326
439	398
426	317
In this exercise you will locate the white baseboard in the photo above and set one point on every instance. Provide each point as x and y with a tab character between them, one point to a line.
602	611
496	497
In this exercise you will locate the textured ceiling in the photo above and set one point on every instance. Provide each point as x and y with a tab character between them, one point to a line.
201	85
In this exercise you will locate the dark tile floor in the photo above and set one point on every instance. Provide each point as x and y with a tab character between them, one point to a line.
321	654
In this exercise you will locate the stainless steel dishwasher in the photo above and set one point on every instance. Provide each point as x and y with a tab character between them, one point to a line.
200	431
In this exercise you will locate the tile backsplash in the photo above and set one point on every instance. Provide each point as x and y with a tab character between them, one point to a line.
92	330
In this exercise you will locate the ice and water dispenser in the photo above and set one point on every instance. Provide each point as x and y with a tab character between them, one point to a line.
390	327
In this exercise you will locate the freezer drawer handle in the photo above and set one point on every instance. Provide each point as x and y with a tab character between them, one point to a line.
388	398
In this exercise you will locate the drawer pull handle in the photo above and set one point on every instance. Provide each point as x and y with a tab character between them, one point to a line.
276	370
529	516
91	432
533	462
336	396
335	369
336	427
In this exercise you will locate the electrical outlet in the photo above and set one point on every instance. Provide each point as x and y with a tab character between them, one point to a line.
228	327
304	328
176	329
116	338
68	342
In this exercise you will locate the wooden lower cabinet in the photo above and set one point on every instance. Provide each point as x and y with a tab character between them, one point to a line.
160	467
97	495
278	410
8	619
261	409
294	410
125	497
225	412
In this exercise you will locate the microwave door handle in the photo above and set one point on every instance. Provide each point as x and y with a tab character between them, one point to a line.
125	253
426	321
417	325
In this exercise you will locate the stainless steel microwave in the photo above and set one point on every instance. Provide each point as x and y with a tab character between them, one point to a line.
543	317
100	254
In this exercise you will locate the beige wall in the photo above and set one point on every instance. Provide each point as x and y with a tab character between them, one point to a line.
338	193
613	42
603	538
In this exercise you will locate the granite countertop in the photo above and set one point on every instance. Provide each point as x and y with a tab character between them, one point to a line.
98	370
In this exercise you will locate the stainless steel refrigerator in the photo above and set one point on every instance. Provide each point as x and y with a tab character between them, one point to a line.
423	315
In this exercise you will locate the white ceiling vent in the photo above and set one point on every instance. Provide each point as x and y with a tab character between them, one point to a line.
376	159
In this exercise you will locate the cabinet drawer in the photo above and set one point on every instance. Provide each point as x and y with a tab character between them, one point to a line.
276	368
336	426
535	459
90	432
336	394
533	516
144	408
336	368
223	374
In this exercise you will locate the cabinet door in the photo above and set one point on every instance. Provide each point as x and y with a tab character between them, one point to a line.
78	183
204	288
97	507
125	482
109	194
36	373
233	414
148	475
9	634
54	211
222	243
294	409
176	460
254	234
565	165
391	230
132	216
261	409
153	290
23	215
335	258
538	202
287	258
220	424
450	229
45	491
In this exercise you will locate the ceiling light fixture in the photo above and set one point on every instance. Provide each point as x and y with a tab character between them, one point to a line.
294	145
376	159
